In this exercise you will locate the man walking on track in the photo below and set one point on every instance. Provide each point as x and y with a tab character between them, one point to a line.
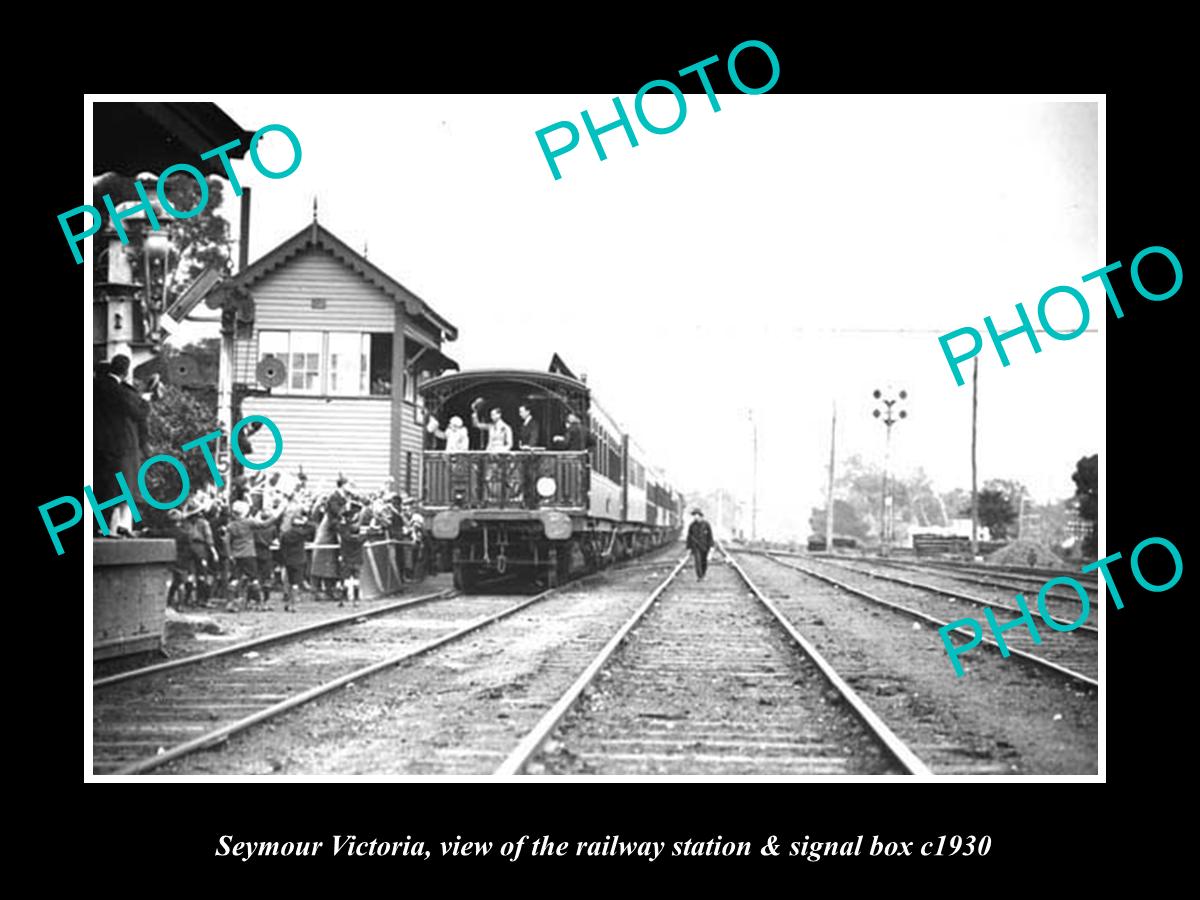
699	541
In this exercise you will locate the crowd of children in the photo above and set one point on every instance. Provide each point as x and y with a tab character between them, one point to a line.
277	534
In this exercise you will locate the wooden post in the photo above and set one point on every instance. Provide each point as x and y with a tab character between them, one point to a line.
829	489
399	373
974	489
244	232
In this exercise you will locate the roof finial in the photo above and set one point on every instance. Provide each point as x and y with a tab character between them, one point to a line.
314	207
364	249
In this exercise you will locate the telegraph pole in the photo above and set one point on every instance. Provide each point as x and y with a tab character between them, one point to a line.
829	489
974	487
754	484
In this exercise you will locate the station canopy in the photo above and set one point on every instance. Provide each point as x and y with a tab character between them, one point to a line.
131	138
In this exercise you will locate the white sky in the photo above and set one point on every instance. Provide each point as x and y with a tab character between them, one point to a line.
716	269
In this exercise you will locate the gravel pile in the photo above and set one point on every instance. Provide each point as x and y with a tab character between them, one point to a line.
1025	553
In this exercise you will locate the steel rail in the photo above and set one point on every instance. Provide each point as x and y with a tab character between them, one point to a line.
949	570
945	592
1057	592
895	746
858	592
266	639
219	735
532	742
223	733
1020	572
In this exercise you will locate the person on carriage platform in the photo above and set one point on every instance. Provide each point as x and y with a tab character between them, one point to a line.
529	438
456	435
500	436
528	434
573	439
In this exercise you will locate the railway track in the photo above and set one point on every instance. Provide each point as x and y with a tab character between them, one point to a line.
1009	581
1063	609
1031	573
147	718
1015	583
1003	718
266	640
711	678
1073	655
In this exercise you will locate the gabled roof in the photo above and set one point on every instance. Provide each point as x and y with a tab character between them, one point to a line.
317	235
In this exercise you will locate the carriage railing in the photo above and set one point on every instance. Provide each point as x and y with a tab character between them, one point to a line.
523	479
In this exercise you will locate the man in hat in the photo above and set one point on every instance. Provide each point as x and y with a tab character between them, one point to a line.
203	553
119	438
699	541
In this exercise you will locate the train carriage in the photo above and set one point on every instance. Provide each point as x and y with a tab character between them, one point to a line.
553	511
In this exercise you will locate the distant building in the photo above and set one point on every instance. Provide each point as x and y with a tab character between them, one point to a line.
324	361
958	527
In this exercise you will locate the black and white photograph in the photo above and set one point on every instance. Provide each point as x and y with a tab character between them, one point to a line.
535	438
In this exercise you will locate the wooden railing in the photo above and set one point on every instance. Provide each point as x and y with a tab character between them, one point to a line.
479	480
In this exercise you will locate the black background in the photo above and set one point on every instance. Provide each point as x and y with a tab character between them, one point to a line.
172	829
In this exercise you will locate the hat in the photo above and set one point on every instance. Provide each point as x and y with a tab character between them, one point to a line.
240	507
456	422
697	512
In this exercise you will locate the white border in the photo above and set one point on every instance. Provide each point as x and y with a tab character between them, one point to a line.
88	777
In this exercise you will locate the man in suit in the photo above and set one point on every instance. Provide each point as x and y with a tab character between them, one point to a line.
120	439
699	541
529	438
529	435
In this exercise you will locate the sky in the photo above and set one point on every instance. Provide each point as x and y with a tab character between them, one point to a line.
765	261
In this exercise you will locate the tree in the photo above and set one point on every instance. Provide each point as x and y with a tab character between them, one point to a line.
1086	479
197	243
996	512
957	503
182	414
859	485
1013	491
846	521
176	418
